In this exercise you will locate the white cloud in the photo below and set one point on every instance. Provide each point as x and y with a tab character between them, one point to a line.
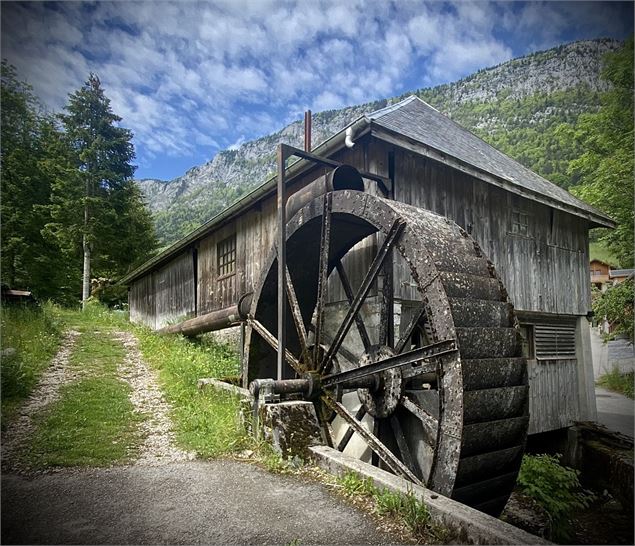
192	75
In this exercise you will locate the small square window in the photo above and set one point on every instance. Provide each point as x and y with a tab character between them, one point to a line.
226	256
520	222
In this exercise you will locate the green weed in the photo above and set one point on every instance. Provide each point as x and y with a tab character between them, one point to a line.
206	420
34	335
556	487
407	508
354	484
274	462
618	382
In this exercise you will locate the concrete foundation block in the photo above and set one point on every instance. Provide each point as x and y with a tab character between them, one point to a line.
291	427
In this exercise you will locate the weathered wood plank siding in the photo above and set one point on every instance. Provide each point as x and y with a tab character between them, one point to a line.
141	300
545	268
164	295
553	394
174	290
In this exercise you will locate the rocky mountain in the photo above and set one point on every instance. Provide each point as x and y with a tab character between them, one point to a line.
526	107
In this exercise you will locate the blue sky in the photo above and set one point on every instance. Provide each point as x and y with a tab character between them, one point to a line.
193	78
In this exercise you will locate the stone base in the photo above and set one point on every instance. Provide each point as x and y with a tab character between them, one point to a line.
291	428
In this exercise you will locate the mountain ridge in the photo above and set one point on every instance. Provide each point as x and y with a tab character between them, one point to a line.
523	107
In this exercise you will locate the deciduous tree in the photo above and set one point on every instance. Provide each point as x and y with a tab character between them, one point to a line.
606	166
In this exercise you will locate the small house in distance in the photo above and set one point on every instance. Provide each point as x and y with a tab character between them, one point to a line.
599	273
534	232
603	276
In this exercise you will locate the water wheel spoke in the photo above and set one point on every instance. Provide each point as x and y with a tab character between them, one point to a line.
386	303
406	456
374	458
322	287
392	237
273	342
411	364
296	313
361	327
430	424
341	446
372	441
416	317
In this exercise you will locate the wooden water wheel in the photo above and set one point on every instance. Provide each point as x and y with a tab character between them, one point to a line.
418	370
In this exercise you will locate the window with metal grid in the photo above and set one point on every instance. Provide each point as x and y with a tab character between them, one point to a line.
555	340
226	256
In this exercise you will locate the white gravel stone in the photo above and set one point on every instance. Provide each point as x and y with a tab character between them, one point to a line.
159	447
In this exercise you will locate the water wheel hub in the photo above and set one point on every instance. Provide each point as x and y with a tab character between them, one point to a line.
382	400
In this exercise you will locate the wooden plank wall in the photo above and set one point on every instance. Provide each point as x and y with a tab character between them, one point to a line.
174	290
553	394
545	270
164	295
141	300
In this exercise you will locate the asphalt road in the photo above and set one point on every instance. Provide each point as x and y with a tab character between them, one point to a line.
217	502
615	411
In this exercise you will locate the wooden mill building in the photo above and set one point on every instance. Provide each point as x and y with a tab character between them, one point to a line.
534	232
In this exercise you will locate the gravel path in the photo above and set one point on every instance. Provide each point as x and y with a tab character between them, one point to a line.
159	447
47	391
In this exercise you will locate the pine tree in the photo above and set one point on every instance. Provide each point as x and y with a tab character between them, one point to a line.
97	204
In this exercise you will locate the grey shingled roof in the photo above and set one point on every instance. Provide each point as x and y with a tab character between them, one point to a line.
419	121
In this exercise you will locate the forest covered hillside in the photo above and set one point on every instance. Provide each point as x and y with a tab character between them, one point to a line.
527	107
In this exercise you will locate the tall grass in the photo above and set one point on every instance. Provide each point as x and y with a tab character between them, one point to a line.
206	420
29	339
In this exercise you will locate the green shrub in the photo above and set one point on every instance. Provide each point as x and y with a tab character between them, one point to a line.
616	304
557	489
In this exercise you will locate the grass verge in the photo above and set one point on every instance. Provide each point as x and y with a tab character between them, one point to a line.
619	382
93	423
405	509
30	338
206	421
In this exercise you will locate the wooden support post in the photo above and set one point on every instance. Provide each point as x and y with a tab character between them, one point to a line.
282	258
